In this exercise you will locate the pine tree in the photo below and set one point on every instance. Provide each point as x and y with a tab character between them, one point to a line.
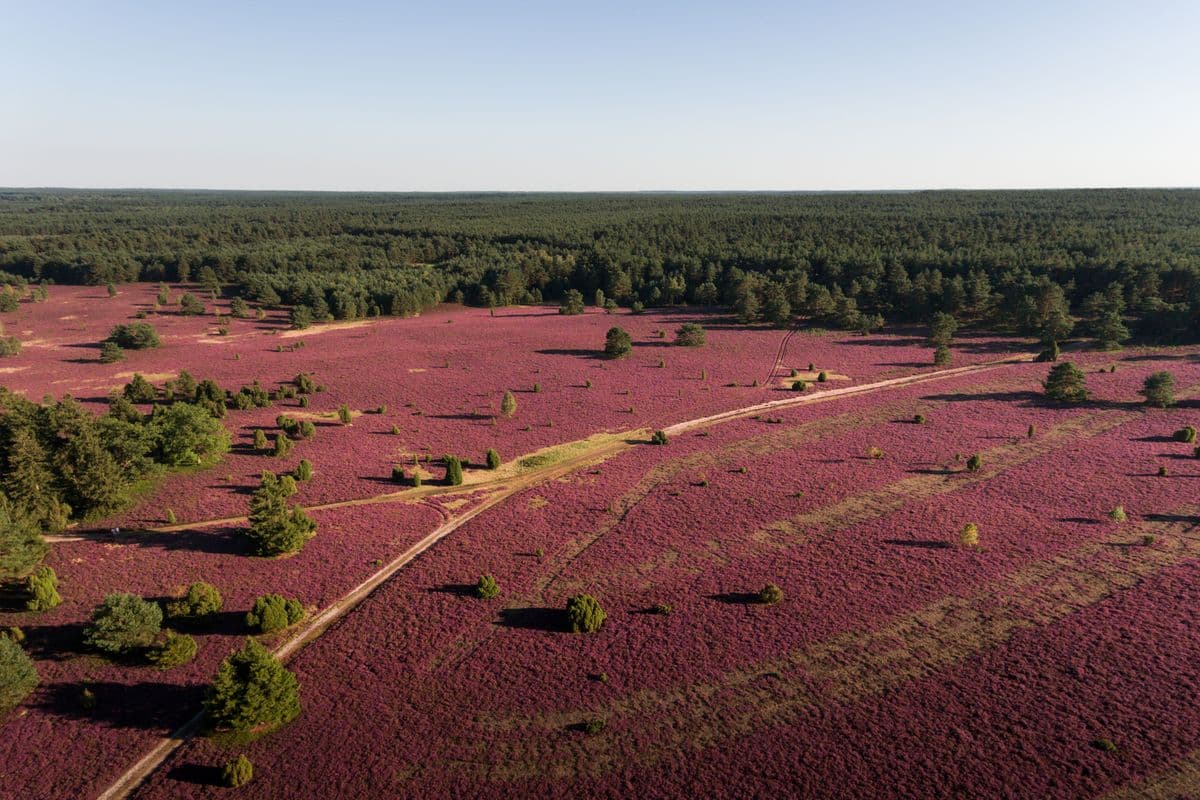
252	690
276	527
508	406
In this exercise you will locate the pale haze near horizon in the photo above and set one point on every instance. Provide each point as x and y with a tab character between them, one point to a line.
599	97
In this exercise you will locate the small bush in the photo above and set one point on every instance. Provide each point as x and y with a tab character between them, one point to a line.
1147	540
874	452
122	624
593	726
969	535
493	459
689	335
283	445
1159	390
1118	514
822	377
110	353
663	609
343	414
273	612
487	588
659	438
260	439
238	772
537	388
1066	383
617	343
134	336
201	600
584	614
304	470
173	650
1186	434
1106	745
799	386
1163	472
975	463
170	517
42	586
416	479
919	419
398	475
770	594
139	390
1029	434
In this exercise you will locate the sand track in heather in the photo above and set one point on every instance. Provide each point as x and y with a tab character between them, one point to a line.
583	455
324	327
847	668
1179	780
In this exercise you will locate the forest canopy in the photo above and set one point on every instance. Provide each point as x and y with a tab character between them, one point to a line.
1021	260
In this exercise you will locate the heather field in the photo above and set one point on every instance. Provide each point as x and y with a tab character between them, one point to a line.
900	662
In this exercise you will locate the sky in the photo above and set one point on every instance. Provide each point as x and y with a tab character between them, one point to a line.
454	95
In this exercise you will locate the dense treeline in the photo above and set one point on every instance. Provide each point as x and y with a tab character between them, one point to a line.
1130	257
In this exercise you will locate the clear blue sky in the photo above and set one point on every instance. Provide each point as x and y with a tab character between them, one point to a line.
600	95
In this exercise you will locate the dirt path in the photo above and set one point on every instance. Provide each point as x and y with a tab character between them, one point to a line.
502	489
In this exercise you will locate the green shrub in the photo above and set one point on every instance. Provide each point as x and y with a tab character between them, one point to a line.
617	343
1029	434
508	406
283	445
307	429
238	772
251	691
770	594
537	388
274	612
1066	383
18	675
1159	390
201	600
941	356
1186	434
140	390
275	527
190	305
398	475
42	586
122	624
134	336
822	377
111	352
487	587
172	650
969	535
10	346
187	435
454	470
303	471
659	437
593	726
975	463
343	414
493	459
416	479
799	386
584	614
1163	472
304	383
1118	514
689	335
919	419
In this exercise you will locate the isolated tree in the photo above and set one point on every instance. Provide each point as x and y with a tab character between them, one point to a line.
975	463
303	471
134	336
689	335
18	675
283	445
584	614
251	691
237	772
1159	389
201	600
274	612
617	343
969	535
770	594
122	624
941	356
487	588
260	439
275	527
493	459
454	470
344	415
1066	383
508	405
659	438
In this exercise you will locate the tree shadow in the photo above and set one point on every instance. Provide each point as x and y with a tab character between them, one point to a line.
1168	518
56	642
227	540
568	351
147	705
463	417
736	598
220	623
199	774
926	544
1079	520
456	589
1027	397
553	620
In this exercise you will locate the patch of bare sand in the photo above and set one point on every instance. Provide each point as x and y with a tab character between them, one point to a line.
316	330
